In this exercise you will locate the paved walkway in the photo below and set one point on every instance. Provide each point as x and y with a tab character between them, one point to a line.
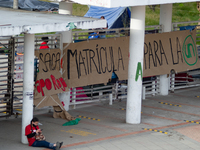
168	123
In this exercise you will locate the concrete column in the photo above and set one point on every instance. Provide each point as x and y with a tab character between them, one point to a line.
135	68
65	8
27	109
15	4
66	37
166	21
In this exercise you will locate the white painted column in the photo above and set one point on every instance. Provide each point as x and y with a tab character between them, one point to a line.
135	68
65	8
166	21
15	4
27	109
66	37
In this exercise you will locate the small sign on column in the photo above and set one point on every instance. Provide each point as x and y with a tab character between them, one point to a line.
19	67
19	75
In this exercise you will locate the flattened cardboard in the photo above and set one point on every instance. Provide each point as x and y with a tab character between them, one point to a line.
52	100
49	59
164	52
57	86
60	113
92	62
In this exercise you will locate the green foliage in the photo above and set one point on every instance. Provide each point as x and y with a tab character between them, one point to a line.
185	12
79	10
152	17
181	12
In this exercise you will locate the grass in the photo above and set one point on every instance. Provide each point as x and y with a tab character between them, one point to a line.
181	12
79	10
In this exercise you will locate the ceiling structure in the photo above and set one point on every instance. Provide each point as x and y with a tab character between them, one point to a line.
15	22
125	3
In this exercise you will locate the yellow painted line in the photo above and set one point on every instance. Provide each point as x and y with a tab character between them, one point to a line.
18	109
79	132
155	130
89	118
170	104
197	96
17	113
191	121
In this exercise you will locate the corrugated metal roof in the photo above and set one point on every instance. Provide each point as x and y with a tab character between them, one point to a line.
15	22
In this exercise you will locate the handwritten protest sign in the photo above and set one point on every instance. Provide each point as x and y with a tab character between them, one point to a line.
49	79
49	60
170	51
93	62
49	83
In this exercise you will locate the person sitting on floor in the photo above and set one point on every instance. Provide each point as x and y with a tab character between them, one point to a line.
32	130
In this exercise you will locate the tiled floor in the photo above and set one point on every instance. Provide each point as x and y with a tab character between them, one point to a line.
166	126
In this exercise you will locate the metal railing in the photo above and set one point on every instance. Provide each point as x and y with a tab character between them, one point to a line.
82	35
11	71
184	80
6	76
117	91
92	93
176	26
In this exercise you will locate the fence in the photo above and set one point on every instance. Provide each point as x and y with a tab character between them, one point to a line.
110	93
93	93
177	25
11	71
82	35
6	73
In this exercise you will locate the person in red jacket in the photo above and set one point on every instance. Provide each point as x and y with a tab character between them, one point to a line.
44	43
32	129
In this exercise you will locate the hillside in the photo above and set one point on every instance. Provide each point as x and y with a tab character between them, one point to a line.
181	12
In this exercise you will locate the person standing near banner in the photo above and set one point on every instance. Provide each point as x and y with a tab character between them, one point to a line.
44	43
102	34
32	130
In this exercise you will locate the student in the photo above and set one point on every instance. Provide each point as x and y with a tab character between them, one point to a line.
32	130
102	34
44	43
